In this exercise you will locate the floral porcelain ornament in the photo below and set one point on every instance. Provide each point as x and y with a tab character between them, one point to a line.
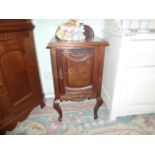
72	30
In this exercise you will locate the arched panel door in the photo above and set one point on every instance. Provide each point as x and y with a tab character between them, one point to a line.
78	71
15	74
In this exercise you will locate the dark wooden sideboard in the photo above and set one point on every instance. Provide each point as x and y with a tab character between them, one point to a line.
20	89
77	71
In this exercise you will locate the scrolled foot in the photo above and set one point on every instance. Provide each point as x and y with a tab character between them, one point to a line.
97	106
95	116
42	105
60	119
58	108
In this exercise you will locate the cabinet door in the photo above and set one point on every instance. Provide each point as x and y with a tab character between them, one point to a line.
78	71
138	87
17	88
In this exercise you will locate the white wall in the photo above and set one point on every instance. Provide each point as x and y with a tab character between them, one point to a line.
43	33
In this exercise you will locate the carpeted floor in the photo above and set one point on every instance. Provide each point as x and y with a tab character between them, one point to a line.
78	120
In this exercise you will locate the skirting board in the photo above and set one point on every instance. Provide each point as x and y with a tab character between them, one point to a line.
135	110
106	98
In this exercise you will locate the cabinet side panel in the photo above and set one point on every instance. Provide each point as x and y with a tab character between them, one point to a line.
111	67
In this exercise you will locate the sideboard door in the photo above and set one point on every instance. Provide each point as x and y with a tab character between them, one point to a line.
78	71
16	85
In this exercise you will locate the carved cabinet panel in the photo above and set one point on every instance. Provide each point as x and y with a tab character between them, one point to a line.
77	71
76	68
14	78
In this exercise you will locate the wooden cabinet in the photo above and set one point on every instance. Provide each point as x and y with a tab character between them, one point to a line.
77	71
20	89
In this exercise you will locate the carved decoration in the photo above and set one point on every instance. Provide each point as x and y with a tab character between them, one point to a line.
78	65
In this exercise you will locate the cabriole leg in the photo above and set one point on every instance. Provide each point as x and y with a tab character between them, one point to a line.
58	108
97	106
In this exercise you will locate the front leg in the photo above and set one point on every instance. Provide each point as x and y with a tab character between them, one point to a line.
97	106
58	108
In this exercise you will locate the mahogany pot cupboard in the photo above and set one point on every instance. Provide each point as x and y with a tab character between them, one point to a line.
20	89
77	71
